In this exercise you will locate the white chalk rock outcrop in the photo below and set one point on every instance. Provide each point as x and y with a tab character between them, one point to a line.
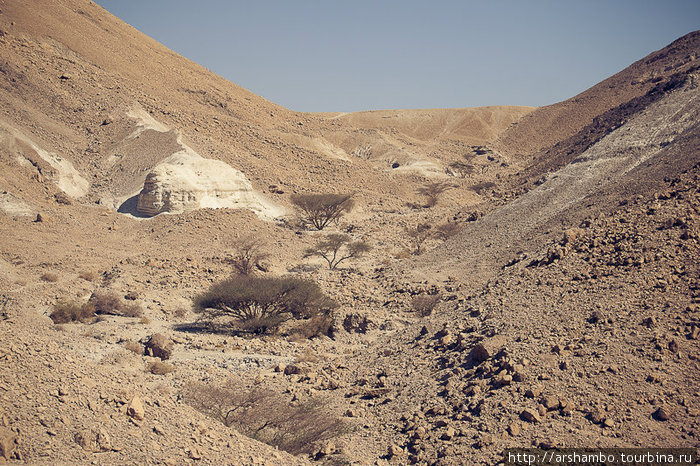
186	181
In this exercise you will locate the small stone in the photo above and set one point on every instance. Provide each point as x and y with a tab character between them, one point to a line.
351	413
328	448
614	369
662	414
280	367
550	403
136	409
514	429
534	392
542	410
608	422
673	346
158	429
395	450
448	434
39	218
291	369
531	415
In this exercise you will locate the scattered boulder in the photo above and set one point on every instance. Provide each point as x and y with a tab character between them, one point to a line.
531	415
487	348
136	409
514	429
8	443
92	441
159	346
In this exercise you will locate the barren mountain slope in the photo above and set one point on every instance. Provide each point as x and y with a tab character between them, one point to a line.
90	109
552	124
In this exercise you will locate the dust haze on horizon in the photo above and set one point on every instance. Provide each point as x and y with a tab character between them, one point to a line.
319	56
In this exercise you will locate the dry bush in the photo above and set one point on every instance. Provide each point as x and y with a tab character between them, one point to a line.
134	347
106	302
259	305
307	356
319	210
64	312
460	169
423	305
49	277
266	416
62	198
447	230
337	247
321	324
109	303
248	255
481	188
132	310
418	235
88	276
433	190
160	368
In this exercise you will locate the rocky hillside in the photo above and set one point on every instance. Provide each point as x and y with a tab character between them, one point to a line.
532	275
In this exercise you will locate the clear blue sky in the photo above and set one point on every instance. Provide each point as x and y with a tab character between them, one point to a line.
333	55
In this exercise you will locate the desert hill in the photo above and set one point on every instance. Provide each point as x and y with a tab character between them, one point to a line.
558	262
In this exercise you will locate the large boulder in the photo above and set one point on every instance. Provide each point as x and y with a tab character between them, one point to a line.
186	181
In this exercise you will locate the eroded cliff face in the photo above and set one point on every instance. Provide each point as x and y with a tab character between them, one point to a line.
186	181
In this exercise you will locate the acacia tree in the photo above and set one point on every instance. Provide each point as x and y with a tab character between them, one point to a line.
260	304
319	210
337	247
248	255
433	190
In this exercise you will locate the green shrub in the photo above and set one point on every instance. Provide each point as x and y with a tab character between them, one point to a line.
259	305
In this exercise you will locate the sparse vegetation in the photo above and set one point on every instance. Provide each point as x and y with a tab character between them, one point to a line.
266	416
88	276
337	247
423	305
433	190
259	305
481	188
134	347
319	210
447	230
418	235
248	255
49	277
160	368
460	169
64	312
109	303
106	302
